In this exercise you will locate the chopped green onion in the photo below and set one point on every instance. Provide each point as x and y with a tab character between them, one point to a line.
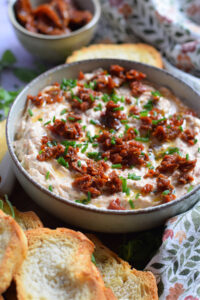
144	113
40	119
135	117
71	118
131	204
116	166
149	105
47	175
155	122
171	150
133	177
137	195
48	122
105	158
195	141
118	108
40	152
187	156
84	148
54	118
136	131
63	111
166	192
63	120
181	128
63	162
98	107
113	141
93	122
190	188
124	121
156	94
91	97
84	127
94	155
199	150
105	98
142	139
30	112
124	184
78	99
1	204
95	145
128	191
93	259
79	163
50	188
10	206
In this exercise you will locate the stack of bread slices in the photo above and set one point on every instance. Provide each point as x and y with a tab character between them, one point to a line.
38	263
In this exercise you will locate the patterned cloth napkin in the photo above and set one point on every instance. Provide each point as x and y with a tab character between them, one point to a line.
172	27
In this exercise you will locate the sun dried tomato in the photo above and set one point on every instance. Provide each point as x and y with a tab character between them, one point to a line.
66	130
116	205
148	188
188	136
112	116
137	88
135	75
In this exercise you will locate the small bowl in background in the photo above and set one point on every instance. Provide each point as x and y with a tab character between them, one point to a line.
56	48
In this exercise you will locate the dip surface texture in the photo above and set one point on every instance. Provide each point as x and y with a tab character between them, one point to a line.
110	139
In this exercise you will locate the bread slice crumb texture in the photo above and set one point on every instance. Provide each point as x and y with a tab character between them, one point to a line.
126	283
59	266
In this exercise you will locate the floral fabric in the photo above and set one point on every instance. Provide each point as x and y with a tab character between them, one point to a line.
177	263
173	26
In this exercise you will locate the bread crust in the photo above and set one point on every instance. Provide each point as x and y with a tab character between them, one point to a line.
138	52
84	271
147	279
27	220
13	248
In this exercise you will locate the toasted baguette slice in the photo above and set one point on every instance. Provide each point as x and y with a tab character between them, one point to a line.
126	283
27	220
13	249
59	266
137	52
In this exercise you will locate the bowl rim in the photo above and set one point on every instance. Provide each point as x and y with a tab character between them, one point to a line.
88	26
147	210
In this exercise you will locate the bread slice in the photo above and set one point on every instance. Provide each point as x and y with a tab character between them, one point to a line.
27	220
13	249
59	266
1	297
126	283
137	52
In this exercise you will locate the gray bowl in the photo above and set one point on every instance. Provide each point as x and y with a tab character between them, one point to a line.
81	215
56	48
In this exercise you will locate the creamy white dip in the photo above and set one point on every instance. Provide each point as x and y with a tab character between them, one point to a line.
50	174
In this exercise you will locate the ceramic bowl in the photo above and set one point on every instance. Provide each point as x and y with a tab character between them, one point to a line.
82	215
56	48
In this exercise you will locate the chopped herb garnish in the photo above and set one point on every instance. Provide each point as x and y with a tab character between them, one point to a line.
91	97
71	118
171	150
199	150
47	175
195	141
116	166
128	190
94	155
70	83
50	188
93	122
156	94
190	188
155	122
112	130
126	128
149	165
63	111
181	128
124	121
95	145
79	163
40	119
93	259
124	184
84	148
187	156
63	162
105	158
98	107
30	112
1	204
105	98
49	144
134	177
63	120
144	113
78	99
54	118
48	122
85	201
10	206
137	195
136	131
142	139
149	105
135	117
166	192
113	141
84	127
40	152
118	108
131	204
